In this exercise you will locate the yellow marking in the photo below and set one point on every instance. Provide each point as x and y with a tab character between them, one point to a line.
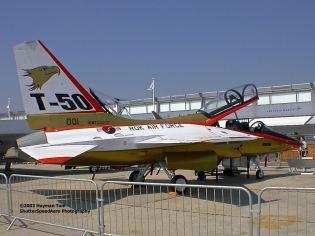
277	222
40	75
173	194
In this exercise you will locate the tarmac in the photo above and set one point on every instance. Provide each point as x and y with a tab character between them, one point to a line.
283	214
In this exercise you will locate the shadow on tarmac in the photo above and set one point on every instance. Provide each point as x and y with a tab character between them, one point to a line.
113	193
76	199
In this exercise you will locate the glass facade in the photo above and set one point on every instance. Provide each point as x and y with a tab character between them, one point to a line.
150	108
138	109
304	97
164	107
194	105
178	106
263	100
283	98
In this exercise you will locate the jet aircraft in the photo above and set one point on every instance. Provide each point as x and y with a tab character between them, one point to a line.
76	129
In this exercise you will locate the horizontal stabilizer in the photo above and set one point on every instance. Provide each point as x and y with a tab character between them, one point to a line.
55	154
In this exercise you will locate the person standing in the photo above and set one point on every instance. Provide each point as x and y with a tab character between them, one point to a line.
303	148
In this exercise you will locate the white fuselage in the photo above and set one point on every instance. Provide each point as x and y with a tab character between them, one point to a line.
73	142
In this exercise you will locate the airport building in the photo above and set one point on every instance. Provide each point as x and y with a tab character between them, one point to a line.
287	108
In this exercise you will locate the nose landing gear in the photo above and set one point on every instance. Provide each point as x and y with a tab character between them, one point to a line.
260	173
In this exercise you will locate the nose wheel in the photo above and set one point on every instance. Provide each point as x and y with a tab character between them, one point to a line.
260	174
94	169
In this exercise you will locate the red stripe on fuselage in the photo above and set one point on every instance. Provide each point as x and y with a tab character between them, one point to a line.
271	137
73	80
54	160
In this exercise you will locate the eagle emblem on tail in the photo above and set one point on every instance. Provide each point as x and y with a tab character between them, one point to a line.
40	75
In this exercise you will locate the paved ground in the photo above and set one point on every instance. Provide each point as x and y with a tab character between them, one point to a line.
133	210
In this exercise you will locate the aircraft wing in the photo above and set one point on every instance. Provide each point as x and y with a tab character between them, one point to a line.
55	154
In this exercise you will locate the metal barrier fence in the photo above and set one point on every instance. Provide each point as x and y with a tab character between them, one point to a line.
149	209
62	202
4	196
286	211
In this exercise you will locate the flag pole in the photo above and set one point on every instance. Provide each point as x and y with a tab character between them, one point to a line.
153	95
9	108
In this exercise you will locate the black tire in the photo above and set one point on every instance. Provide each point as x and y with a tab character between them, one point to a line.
260	174
134	175
201	176
179	179
94	169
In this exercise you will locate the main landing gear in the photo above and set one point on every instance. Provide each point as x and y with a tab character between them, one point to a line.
201	175
144	171
179	179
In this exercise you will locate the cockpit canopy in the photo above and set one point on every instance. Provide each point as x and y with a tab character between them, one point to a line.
229	99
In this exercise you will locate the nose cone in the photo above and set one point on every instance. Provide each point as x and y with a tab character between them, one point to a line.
288	140
32	139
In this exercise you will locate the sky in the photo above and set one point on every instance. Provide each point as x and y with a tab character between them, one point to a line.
188	46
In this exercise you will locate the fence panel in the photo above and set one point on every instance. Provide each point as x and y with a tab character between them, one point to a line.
64	202
4	196
154	209
286	211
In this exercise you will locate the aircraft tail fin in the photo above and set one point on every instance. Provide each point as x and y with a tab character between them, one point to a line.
47	87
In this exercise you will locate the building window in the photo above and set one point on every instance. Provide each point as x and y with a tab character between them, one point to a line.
164	107
195	105
304	96
263	100
138	109
283	98
150	108
178	106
